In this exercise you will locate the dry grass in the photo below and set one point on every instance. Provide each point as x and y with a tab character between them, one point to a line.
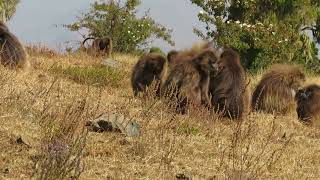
48	111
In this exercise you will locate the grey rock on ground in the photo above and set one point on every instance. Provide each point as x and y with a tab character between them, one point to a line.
111	63
114	122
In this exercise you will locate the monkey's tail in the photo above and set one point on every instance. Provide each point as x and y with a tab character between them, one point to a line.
86	39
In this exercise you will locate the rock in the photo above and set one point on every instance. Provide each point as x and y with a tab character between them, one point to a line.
99	126
6	171
111	63
114	122
182	177
20	141
239	175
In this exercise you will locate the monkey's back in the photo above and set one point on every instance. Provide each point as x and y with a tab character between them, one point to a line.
228	88
12	52
182	75
273	94
148	68
182	84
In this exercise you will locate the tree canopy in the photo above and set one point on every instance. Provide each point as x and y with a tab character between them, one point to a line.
264	31
119	20
7	9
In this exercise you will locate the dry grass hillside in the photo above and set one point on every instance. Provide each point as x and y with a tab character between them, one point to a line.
43	111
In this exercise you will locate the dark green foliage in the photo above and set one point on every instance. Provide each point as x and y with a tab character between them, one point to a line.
263	31
119	21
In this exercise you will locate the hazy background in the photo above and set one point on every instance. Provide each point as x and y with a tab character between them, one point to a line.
36	21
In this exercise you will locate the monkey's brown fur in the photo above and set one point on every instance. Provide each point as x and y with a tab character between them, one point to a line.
172	55
308	104
149	67
228	88
188	81
100	46
189	54
276	90
12	53
4	26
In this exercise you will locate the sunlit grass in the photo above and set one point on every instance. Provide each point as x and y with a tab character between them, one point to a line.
46	106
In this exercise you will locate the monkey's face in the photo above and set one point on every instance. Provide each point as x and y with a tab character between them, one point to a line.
210	61
301	95
103	45
213	63
307	93
156	67
172	55
312	91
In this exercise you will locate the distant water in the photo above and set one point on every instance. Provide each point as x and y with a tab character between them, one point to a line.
35	21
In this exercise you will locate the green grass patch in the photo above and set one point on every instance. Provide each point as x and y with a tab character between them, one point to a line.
188	129
91	75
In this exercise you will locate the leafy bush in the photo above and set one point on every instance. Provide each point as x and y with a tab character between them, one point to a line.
120	22
156	50
8	9
264	32
261	45
94	75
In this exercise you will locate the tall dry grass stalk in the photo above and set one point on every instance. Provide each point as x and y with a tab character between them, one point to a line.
48	112
63	134
241	160
63	142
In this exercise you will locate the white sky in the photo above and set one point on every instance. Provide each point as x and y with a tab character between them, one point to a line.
35	20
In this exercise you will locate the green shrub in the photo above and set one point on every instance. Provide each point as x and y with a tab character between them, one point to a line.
264	32
91	75
156	50
8	9
119	21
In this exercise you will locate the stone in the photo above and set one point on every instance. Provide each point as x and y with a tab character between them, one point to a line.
114	122
111	63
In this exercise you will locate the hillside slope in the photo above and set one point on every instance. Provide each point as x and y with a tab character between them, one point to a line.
52	101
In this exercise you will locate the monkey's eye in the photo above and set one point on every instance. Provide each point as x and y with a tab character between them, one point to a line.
214	66
308	93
